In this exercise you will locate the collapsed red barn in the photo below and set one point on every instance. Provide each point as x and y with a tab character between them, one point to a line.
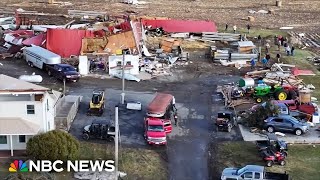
181	26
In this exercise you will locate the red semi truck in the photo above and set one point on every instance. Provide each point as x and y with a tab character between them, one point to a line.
160	112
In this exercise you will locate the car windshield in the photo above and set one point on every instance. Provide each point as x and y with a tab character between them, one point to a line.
69	69
157	128
294	120
240	171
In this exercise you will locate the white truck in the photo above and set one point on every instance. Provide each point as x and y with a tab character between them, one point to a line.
39	57
252	172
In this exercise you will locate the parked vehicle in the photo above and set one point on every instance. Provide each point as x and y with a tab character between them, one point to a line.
99	129
39	57
284	110
63	71
252	172
286	123
294	105
154	132
273	143
225	121
162	108
96	105
264	92
271	156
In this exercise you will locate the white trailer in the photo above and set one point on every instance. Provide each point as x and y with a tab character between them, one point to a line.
38	57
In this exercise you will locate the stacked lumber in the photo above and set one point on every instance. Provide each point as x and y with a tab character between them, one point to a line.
292	80
307	39
213	36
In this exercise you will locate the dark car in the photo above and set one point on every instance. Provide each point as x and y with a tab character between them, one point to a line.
63	71
272	142
286	123
99	129
225	121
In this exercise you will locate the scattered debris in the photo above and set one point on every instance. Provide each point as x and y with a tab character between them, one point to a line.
31	78
98	175
134	106
286	28
134	2
258	12
280	134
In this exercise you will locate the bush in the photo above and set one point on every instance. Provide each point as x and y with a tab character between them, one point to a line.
53	145
256	118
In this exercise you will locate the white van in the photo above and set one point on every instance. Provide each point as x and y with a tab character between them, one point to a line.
38	57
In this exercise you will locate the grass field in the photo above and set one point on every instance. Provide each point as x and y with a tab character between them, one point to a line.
137	163
303	161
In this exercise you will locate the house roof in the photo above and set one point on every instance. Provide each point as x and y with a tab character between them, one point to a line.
55	95
10	84
17	126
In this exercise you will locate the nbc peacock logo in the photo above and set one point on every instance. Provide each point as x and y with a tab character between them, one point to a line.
18	166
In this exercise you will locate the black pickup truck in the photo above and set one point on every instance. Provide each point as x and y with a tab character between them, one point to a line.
274	143
63	71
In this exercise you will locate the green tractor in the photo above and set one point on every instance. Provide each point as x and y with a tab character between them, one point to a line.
264	92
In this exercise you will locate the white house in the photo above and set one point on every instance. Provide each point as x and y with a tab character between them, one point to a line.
131	64
26	109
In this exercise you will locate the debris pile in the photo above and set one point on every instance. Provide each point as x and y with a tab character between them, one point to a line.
107	45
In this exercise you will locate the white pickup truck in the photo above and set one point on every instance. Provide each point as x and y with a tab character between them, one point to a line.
252	172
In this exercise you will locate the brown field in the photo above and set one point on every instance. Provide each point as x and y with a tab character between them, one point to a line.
302	14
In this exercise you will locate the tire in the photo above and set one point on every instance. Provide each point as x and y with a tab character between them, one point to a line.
269	163
298	132
259	99
285	154
85	136
30	64
281	95
282	163
270	129
49	73
110	139
292	94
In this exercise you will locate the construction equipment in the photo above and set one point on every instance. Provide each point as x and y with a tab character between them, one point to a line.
96	105
263	92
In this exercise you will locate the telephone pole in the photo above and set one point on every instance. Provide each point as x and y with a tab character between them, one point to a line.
123	61
116	141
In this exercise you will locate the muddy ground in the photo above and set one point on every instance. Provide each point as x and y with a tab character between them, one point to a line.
194	85
302	14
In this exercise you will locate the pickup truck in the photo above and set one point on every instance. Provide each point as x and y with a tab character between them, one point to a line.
154	131
63	71
252	172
